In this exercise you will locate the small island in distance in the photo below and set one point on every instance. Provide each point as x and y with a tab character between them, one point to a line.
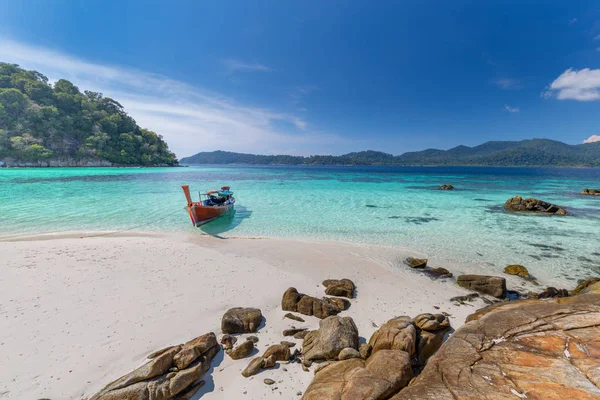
44	125
525	153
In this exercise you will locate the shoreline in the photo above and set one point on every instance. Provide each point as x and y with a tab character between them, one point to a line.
92	308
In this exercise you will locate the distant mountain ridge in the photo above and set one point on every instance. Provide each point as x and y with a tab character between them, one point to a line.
525	153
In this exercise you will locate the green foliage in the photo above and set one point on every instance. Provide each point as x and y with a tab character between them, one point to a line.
39	121
535	152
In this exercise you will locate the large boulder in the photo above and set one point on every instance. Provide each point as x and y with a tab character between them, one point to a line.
382	375
342	287
397	334
528	349
518	203
161	378
241	320
334	334
492	285
308	305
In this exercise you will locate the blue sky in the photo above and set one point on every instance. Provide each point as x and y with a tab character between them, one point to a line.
324	77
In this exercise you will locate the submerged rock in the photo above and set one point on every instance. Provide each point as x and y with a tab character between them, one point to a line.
517	203
437	273
416	262
591	192
241	320
492	285
446	187
518	270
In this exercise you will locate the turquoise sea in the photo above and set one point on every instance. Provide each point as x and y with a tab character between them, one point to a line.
390	206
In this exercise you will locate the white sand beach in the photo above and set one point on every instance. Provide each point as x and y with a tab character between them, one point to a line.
77	313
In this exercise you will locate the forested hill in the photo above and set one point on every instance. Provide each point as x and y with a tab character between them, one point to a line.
534	152
40	122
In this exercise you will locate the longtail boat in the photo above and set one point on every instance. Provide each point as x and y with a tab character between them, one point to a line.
213	204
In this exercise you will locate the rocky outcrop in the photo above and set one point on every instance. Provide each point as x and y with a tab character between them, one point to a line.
172	373
591	192
528	349
446	187
307	305
584	285
342	287
334	334
241	320
518	203
383	374
491	285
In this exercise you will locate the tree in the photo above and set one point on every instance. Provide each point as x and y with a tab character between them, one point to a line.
38	121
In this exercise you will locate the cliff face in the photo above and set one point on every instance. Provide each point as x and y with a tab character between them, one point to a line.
63	162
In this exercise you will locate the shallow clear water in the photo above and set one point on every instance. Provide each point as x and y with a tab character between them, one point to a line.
391	206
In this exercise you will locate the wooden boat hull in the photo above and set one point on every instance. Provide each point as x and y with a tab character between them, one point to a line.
201	214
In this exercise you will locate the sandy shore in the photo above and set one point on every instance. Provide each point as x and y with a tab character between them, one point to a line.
76	313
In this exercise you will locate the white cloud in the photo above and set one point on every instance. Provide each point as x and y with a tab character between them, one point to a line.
597	37
190	118
507	83
511	109
592	139
582	85
571	22
233	65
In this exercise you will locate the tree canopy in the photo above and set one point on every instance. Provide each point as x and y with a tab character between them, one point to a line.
40	121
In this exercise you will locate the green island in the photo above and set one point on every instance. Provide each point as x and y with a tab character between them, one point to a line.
58	125
525	153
